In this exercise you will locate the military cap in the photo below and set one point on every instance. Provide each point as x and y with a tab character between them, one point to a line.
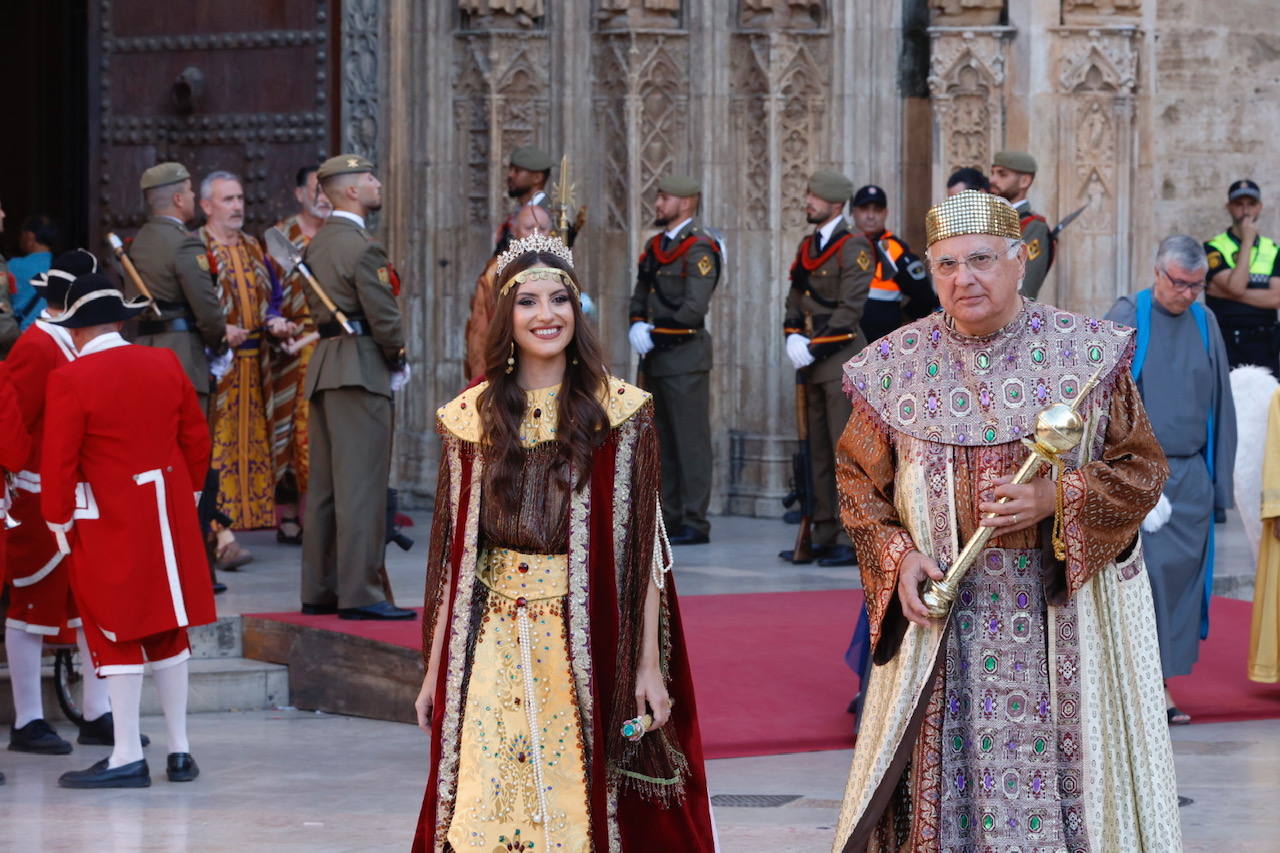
682	186
1242	188
163	174
343	164
1016	161
972	212
870	194
532	158
830	185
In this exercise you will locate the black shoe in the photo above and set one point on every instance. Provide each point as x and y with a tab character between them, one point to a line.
287	538
181	767
381	610
219	586
319	609
1219	515
686	535
839	555
102	732
135	774
792	516
39	737
815	552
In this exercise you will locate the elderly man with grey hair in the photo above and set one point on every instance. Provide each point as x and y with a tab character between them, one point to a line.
1180	364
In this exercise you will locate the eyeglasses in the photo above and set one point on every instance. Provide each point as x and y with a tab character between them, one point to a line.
980	261
1192	286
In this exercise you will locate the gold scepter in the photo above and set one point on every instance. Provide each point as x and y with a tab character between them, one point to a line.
1059	428
117	247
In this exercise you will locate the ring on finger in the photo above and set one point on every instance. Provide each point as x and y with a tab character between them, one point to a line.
1014	517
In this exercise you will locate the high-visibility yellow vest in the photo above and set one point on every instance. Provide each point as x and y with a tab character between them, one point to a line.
1262	262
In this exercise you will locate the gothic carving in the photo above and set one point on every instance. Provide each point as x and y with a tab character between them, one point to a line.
471	118
638	14
780	14
1098	60
361	35
1099	11
966	13
611	122
662	88
966	80
804	91
749	109
502	14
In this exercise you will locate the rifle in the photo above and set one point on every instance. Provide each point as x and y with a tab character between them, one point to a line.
802	475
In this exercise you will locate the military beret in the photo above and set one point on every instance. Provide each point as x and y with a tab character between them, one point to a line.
532	158
679	185
163	174
830	185
1016	161
343	164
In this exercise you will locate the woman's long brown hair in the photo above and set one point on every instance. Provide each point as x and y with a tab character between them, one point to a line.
581	416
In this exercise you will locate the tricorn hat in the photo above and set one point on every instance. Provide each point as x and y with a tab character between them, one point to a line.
66	268
94	300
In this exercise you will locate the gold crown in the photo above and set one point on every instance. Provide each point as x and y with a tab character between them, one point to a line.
534	243
972	212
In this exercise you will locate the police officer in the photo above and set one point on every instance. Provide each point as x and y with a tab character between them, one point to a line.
900	288
171	261
679	269
1012	173
830	279
1244	296
349	384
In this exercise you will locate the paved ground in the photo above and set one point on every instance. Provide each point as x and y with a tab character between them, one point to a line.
293	781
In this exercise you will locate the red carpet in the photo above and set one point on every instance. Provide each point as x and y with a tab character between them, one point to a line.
771	676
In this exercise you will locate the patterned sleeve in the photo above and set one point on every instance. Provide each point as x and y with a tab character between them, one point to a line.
865	478
1104	502
434	607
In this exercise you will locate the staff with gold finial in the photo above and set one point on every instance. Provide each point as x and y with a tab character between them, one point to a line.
565	191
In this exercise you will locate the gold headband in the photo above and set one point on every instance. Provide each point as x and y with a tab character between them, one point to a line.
972	212
535	273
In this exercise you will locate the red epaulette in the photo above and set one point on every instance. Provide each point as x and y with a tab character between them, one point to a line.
213	262
1032	217
664	258
395	279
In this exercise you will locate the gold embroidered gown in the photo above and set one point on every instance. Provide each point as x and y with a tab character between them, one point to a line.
521	754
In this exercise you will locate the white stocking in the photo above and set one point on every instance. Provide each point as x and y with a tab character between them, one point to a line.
95	701
171	683
126	702
24	650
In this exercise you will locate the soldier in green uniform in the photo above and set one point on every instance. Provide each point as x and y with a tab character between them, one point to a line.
1012	173
679	269
349	384
830	280
172	263
527	174
9	329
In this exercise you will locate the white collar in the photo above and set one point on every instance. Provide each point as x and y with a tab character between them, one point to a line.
174	219
1021	204
110	340
826	230
674	231
60	335
359	220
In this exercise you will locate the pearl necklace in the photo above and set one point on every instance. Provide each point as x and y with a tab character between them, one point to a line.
531	710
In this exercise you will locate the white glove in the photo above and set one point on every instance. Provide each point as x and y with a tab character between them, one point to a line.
798	350
400	378
219	365
1158	516
641	340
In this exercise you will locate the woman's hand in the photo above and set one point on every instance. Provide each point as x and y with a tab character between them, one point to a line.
651	690
426	701
912	572
1026	506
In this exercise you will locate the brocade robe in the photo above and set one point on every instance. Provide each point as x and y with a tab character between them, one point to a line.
1032	719
289	409
544	622
241	417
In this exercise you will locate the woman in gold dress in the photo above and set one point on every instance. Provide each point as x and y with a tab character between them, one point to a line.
550	617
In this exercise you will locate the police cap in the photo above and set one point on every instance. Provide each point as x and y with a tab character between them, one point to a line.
870	194
1242	188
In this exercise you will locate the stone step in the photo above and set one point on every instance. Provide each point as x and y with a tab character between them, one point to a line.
221	639
217	684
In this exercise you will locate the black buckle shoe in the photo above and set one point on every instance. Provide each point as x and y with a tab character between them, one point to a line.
381	610
815	552
181	767
319	609
102	732
135	774
37	737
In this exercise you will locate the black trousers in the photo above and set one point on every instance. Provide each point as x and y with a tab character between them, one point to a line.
1258	345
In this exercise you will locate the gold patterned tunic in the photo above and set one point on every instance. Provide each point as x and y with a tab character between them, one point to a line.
521	773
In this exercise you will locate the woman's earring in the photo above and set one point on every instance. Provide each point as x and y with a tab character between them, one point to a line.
511	359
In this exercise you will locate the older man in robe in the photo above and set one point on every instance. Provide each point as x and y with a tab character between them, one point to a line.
1028	716
1180	365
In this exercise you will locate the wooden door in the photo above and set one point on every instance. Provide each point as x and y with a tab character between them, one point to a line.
248	86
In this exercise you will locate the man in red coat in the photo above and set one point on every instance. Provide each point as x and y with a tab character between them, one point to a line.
40	602
125	447
14	445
